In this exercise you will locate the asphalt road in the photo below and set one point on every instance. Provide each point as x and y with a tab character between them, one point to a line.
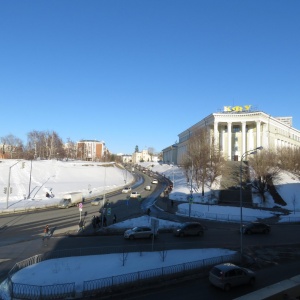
20	238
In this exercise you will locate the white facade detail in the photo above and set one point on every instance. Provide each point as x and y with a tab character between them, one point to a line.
238	132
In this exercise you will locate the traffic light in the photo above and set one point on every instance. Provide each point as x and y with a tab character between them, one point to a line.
5	190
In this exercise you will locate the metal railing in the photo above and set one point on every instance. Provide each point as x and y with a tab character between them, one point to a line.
104	285
215	216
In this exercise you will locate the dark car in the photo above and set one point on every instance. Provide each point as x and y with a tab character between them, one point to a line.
227	275
189	228
256	227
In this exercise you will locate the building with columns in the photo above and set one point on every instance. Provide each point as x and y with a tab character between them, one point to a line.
239	129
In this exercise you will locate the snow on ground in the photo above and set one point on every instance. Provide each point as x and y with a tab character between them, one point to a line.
93	178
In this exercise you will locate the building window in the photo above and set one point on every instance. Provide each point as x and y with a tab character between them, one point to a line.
236	128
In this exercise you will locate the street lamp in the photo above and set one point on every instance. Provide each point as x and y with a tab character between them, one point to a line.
8	184
254	151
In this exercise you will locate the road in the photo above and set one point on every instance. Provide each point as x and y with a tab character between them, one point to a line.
21	238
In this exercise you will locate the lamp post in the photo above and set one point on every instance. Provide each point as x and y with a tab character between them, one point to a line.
254	151
8	184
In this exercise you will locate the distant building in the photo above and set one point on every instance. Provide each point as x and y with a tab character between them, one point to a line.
126	158
170	154
239	129
91	150
143	156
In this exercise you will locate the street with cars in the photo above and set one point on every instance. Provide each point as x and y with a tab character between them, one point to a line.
18	229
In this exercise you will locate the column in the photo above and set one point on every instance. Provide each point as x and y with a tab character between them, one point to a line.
216	133
243	138
258	133
229	140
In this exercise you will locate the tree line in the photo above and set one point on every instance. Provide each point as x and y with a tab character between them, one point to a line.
43	145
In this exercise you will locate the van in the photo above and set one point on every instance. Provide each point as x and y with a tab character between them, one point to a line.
228	275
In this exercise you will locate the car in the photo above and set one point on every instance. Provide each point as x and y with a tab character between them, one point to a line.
189	228
256	227
126	190
139	232
135	195
148	187
154	181
96	201
228	275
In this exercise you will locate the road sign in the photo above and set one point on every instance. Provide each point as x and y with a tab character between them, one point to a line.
80	206
108	211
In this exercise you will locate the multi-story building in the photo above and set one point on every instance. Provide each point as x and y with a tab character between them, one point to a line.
239	129
126	158
170	154
143	156
91	150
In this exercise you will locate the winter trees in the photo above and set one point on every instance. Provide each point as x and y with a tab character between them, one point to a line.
203	159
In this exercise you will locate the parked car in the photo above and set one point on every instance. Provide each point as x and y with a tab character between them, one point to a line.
256	227
154	181
96	201
148	187
189	228
140	232
126	190
135	195
228	275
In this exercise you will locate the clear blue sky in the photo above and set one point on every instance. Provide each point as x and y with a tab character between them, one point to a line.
137	72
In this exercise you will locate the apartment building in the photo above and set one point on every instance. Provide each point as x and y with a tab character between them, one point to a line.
91	150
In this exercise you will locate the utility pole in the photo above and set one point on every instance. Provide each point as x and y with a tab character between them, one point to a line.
8	183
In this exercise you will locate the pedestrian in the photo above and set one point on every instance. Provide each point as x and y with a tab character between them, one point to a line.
81	225
115	219
148	211
98	221
94	223
172	203
104	221
46	232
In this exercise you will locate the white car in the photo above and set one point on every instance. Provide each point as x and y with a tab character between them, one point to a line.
126	190
155	181
139	233
134	195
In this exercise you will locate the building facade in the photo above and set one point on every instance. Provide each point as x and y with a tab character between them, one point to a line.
143	156
239	129
91	150
170	154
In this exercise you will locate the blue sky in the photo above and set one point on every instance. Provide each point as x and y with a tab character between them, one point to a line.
137	72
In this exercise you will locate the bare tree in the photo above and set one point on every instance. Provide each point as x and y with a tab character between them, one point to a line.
124	257
266	171
13	146
70	149
204	158
289	159
45	144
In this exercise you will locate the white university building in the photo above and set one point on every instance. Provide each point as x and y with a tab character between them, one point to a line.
238	129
